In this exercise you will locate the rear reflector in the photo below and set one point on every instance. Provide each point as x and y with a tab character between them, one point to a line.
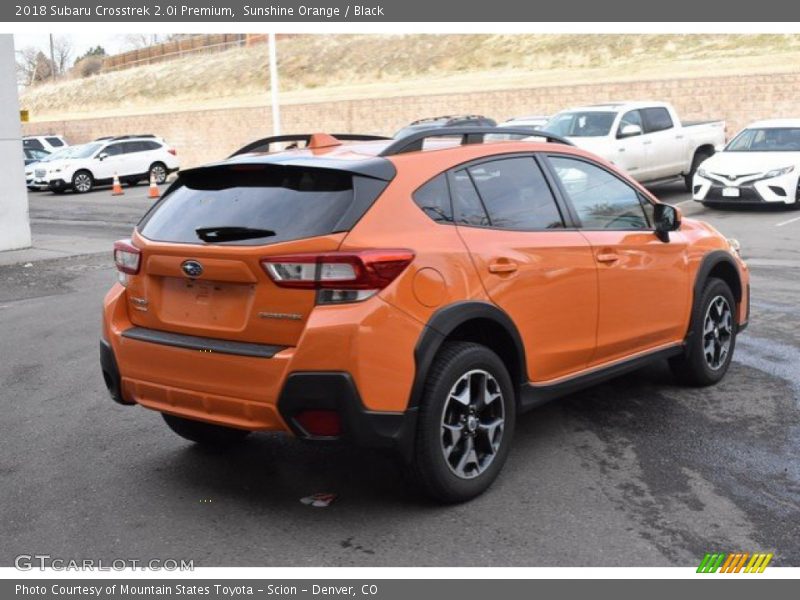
367	271
320	423
127	257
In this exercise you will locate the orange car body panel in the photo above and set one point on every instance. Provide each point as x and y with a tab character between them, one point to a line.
559	297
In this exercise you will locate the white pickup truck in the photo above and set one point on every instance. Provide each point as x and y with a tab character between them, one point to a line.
647	139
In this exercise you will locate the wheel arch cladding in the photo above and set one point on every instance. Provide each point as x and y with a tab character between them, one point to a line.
478	322
721	265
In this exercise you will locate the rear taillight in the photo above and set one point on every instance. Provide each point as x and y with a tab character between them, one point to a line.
173	151
338	276
127	259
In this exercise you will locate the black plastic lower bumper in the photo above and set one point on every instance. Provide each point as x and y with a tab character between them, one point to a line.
108	364
336	391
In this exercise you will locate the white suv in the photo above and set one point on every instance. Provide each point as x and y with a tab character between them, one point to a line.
131	158
49	143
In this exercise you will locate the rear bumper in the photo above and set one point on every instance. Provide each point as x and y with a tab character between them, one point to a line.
302	391
336	391
263	387
108	365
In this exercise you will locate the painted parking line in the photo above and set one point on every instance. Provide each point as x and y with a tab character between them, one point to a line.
782	223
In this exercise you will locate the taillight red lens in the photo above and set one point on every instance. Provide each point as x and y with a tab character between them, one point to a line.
173	151
363	270
127	257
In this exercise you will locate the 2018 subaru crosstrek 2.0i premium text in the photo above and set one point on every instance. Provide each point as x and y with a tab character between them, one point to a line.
412	294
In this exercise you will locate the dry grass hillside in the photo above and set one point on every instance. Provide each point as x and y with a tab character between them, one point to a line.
325	67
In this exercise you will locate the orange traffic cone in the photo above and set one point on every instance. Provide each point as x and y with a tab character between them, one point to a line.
116	190
153	193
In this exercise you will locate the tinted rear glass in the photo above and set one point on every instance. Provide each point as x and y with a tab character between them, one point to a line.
55	142
291	202
516	195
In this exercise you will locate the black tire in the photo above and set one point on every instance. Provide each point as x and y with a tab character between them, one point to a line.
159	171
205	434
58	191
694	367
698	159
82	182
436	475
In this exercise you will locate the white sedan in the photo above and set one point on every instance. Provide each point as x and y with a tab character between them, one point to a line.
760	165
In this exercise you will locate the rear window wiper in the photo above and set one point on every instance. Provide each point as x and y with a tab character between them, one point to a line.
231	234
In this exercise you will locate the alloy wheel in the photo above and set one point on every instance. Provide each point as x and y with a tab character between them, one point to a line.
717	332
472	424
83	182
159	174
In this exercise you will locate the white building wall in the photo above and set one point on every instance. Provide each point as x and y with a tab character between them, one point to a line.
15	230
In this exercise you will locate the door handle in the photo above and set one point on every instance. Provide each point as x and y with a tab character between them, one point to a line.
502	266
647	142
678	137
607	257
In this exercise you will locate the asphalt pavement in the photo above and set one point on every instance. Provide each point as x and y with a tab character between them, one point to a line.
635	472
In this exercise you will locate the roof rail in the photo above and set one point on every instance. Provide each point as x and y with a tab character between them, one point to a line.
469	135
464	117
263	145
115	138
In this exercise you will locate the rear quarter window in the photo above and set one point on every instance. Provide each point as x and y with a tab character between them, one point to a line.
55	142
434	199
290	202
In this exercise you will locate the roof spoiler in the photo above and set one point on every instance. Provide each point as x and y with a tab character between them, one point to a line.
469	135
263	145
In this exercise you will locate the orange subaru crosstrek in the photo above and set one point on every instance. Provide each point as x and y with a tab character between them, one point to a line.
413	294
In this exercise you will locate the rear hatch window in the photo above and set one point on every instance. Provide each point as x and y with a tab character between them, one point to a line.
259	205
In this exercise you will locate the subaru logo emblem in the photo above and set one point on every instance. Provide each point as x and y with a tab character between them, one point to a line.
192	268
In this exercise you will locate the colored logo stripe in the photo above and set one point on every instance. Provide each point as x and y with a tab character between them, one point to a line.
758	563
733	563
711	562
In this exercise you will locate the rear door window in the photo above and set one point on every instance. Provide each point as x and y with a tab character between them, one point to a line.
656	119
516	194
113	149
130	147
467	204
276	203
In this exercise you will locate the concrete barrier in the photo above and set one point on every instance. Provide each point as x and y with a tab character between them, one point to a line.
15	230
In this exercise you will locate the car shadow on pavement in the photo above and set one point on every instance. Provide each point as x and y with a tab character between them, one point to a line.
276	468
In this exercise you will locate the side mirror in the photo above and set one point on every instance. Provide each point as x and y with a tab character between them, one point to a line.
629	130
667	218
102	156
